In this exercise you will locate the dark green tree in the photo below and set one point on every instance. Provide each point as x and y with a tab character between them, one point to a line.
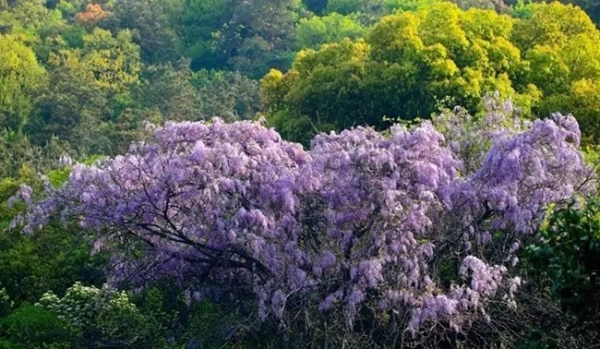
73	108
151	22
316	6
228	95
167	89
567	258
249	36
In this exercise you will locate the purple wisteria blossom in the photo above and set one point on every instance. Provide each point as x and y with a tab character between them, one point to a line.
360	217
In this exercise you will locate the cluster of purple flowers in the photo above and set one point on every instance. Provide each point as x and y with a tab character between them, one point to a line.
359	214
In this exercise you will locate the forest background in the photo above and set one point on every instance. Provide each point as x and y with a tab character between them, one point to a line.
80	81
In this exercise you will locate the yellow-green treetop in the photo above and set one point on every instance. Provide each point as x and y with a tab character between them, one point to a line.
412	63
20	77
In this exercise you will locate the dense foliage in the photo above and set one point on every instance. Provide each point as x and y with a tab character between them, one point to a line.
567	254
153	195
412	63
332	228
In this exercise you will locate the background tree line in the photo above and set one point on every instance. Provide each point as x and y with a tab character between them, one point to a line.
82	76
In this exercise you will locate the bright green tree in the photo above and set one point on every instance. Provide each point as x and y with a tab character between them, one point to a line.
22	13
408	5
315	31
114	60
21	77
562	46
414	62
409	64
591	7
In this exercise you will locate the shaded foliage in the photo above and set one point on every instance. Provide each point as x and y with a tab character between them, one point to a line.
567	257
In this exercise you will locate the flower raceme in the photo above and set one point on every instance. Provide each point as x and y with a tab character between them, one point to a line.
394	222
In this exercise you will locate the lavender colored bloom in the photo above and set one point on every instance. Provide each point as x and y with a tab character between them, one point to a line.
359	213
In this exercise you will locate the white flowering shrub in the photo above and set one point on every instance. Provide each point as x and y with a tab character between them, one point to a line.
97	313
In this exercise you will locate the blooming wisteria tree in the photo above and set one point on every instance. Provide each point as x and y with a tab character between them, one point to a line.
395	223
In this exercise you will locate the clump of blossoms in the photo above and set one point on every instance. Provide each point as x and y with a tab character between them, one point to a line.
396	223
471	137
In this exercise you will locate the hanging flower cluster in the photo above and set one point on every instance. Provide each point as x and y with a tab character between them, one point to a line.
360	217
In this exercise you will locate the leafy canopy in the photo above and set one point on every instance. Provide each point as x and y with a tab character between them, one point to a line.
413	63
21	77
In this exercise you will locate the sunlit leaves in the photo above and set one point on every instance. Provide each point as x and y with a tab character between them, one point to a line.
114	61
21	77
313	32
414	62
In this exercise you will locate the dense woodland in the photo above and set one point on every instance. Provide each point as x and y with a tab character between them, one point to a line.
299	174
